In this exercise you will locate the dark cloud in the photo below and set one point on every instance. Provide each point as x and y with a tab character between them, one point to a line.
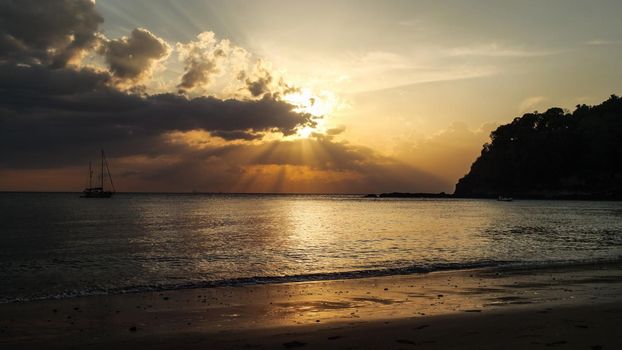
50	32
38	81
133	58
328	134
259	83
53	115
197	73
262	81
375	172
336	131
236	135
286	89
328	166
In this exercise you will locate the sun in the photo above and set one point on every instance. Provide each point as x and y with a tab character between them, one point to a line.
319	106
305	132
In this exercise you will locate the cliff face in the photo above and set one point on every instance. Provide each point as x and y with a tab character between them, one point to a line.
552	154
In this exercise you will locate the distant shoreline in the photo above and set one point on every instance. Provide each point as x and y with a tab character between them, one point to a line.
588	197
440	195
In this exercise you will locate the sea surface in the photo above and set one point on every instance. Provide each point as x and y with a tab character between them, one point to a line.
57	245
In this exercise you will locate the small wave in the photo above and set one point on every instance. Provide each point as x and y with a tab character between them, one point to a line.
242	281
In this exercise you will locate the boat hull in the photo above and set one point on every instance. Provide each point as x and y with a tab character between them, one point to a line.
96	194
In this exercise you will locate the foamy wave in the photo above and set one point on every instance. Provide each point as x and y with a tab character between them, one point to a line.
396	271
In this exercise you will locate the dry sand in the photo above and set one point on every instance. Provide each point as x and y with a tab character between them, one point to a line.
578	307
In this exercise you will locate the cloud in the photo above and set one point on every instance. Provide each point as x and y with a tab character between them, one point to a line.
54	116
328	134
132	59
496	50
51	32
260	81
216	64
379	70
206	58
50	112
236	135
336	131
303	165
200	58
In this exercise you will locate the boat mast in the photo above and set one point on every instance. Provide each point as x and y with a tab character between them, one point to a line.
90	176
110	176
102	175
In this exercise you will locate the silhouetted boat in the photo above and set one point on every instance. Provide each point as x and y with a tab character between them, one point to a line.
99	192
505	199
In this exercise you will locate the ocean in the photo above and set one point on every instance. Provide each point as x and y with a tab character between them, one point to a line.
57	245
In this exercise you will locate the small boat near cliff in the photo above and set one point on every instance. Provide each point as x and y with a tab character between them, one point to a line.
99	192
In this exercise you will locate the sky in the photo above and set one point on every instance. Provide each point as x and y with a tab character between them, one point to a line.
285	96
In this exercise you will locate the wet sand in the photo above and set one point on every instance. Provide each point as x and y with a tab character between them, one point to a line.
577	307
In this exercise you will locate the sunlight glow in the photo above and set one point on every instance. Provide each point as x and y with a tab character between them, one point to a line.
316	104
306	132
319	105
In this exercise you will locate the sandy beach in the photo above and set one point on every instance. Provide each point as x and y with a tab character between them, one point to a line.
571	307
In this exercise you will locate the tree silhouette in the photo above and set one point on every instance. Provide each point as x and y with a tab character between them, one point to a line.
552	154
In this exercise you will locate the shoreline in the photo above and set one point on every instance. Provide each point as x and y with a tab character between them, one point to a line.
582	197
500	267
274	314
587	197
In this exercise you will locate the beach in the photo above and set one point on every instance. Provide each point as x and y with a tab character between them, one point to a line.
211	174
565	306
172	271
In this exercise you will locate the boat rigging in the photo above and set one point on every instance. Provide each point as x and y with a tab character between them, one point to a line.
99	192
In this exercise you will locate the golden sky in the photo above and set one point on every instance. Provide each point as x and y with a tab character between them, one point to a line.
384	95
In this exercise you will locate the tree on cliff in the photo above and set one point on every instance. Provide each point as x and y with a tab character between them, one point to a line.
555	153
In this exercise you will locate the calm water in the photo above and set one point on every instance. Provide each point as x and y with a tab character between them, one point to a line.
58	245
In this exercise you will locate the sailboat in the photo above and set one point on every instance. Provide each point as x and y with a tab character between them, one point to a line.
99	192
